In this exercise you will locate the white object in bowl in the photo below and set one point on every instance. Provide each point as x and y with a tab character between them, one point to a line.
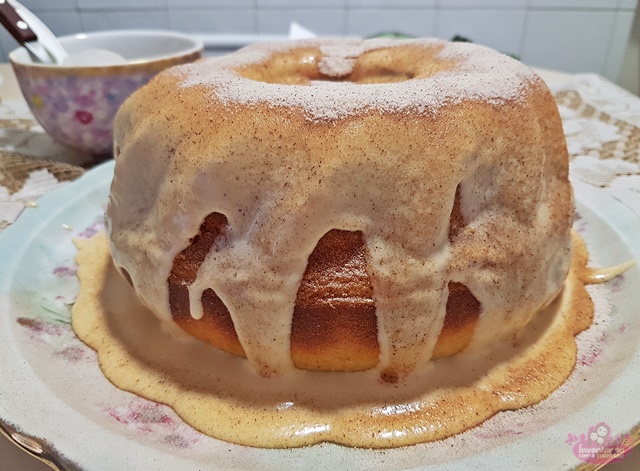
93	57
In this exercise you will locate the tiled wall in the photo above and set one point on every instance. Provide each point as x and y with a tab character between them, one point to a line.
568	35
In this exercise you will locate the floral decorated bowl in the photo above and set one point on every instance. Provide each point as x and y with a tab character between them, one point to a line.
76	104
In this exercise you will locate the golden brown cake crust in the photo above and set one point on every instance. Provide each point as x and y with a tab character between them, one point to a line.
288	161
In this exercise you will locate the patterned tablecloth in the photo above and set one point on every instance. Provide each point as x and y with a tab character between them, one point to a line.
601	123
31	163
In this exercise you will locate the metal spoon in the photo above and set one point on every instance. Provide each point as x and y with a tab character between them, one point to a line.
20	30
43	45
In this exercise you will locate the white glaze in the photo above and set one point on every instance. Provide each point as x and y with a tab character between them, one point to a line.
192	145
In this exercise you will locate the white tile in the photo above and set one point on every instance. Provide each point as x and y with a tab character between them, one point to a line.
628	4
209	4
499	29
326	22
574	4
369	22
297	4
7	43
115	5
4	56
99	21
62	23
215	21
391	5
569	41
475	4
618	44
49	5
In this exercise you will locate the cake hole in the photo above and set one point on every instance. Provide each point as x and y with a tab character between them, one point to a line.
463	312
380	75
311	66
334	324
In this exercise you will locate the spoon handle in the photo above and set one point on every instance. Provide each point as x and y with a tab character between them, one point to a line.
15	25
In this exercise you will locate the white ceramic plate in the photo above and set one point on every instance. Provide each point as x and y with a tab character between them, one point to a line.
51	388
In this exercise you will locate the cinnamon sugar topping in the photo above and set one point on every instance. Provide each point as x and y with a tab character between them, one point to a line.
468	72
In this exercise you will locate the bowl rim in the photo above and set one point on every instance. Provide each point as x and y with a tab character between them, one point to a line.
197	46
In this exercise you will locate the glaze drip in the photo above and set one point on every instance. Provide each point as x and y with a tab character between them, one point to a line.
287	163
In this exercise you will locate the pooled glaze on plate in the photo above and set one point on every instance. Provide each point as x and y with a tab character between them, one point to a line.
219	395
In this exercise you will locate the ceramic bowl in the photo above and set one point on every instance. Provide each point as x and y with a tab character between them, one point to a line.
76	104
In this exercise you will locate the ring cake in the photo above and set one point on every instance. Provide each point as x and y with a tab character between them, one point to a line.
344	205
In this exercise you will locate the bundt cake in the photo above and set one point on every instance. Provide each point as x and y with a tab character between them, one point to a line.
343	205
